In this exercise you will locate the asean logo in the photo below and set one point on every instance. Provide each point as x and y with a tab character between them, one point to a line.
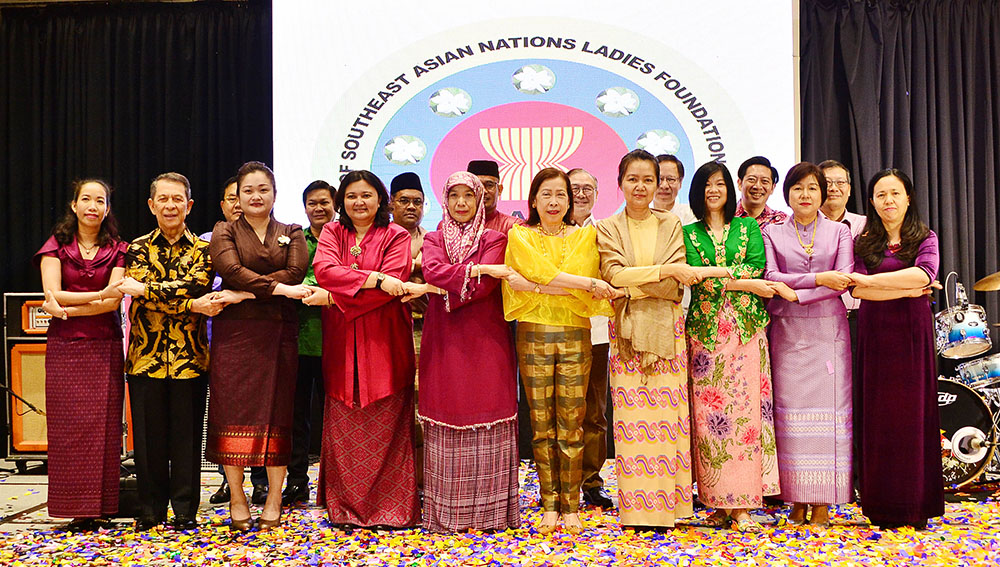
526	115
526	137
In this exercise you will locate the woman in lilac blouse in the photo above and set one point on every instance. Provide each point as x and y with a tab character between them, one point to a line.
810	349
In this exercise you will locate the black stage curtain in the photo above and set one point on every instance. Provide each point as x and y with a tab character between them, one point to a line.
125	92
913	85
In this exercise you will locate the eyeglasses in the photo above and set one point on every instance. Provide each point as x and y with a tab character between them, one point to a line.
406	201
583	190
232	200
671	180
753	180
840	183
491	185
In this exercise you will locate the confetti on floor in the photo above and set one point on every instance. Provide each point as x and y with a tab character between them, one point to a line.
969	534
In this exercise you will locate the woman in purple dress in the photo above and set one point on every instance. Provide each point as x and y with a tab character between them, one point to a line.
469	419
896	261
810	345
84	362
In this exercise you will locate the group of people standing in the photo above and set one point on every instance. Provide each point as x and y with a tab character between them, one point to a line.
729	348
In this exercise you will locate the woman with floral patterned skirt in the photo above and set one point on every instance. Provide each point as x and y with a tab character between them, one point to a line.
733	433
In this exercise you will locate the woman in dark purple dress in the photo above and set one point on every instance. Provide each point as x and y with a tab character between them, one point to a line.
896	259
84	365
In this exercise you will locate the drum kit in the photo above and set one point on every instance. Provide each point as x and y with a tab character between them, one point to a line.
969	403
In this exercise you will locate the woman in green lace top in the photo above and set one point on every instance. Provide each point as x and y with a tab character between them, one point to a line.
733	433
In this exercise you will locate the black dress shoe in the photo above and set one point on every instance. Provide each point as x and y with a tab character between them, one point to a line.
295	493
182	523
221	495
81	525
146	524
259	495
597	496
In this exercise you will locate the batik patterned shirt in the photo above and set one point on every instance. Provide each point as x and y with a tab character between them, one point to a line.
168	340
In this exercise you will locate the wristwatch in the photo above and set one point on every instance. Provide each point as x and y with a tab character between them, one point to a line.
379	278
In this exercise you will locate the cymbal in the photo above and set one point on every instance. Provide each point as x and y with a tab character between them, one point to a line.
989	283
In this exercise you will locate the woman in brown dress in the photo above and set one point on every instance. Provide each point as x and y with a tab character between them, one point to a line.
254	349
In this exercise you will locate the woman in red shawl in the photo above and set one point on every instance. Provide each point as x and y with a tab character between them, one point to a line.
469	420
366	472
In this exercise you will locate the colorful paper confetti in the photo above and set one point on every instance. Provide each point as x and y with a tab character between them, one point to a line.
969	534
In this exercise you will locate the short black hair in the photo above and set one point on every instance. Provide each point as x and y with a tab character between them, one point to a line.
672	159
757	160
381	215
696	197
230	181
832	163
316	186
800	171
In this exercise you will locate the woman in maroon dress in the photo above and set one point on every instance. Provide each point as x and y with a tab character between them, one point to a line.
366	473
84	363
254	350
896	258
469	420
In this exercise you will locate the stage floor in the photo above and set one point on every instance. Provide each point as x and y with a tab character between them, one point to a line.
969	534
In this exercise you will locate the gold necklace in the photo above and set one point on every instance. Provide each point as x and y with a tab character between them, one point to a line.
807	247
562	229
87	249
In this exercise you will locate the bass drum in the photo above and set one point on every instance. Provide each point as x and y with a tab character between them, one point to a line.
967	433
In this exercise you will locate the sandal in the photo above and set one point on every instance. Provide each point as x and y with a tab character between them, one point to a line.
746	525
718	519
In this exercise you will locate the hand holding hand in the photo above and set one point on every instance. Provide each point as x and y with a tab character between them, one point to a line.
392	285
206	306
318	297
291	291
758	287
784	291
686	275
833	279
129	286
601	289
520	283
861	280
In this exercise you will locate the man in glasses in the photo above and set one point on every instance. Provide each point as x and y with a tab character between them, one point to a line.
595	421
669	187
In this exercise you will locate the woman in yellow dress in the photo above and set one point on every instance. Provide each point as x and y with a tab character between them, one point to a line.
552	295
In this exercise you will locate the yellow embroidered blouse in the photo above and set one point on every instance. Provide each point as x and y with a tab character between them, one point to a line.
541	258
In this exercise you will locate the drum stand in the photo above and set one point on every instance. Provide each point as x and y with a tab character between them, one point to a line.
992	398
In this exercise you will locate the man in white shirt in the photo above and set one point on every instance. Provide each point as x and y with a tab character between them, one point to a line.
595	422
671	178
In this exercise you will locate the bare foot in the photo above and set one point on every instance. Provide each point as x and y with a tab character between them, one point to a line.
548	523
573	523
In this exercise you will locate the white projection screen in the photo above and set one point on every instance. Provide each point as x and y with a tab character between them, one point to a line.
426	87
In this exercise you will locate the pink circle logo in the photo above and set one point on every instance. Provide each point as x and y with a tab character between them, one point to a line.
526	137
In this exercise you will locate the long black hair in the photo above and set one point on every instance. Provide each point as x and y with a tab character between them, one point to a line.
874	240
65	230
696	196
381	215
